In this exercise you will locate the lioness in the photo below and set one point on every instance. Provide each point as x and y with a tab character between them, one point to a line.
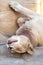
30	32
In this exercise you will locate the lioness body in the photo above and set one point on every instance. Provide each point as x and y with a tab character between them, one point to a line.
32	29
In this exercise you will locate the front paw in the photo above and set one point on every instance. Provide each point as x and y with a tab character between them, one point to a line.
15	5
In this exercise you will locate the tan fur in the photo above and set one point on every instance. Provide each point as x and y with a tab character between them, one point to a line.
8	18
20	44
32	29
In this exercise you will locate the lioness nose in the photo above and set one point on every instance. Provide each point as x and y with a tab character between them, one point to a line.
10	48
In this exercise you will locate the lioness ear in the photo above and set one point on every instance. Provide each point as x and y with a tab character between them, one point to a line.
30	49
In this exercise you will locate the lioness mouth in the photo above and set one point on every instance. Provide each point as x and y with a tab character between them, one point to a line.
10	42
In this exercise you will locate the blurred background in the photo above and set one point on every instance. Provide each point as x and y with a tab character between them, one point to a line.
35	5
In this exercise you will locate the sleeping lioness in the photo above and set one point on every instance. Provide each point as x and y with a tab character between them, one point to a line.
30	32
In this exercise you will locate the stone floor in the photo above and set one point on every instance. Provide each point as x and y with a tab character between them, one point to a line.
6	58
